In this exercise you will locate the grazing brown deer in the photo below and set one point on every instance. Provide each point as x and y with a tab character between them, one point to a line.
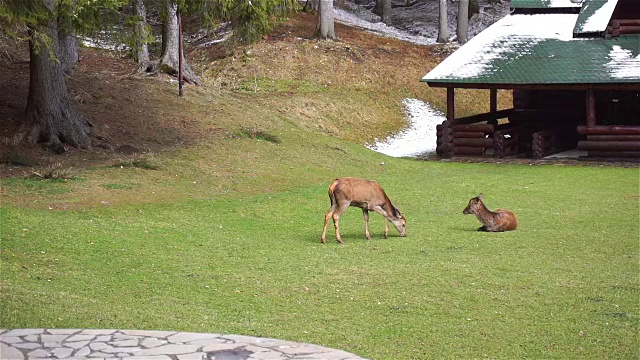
494	221
367	195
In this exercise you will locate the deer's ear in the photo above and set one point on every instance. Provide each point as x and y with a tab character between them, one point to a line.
480	196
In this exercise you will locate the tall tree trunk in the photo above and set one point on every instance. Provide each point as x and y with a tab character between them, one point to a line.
474	8
325	24
140	32
169	59
68	44
311	6
463	21
443	22
51	116
68	55
383	9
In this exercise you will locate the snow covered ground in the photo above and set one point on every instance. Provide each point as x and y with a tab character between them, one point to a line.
419	138
379	28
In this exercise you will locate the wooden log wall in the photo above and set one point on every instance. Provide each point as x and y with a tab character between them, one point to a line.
619	27
464	139
610	141
472	139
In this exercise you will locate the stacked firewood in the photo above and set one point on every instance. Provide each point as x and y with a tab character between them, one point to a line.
553	140
610	141
511	140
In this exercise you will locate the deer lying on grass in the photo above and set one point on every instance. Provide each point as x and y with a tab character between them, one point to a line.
500	220
367	195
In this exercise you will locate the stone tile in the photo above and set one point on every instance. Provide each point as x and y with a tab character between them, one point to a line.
118	336
27	345
185	337
152	342
268	355
23	332
52	338
153	357
193	356
148	333
264	342
32	338
256	349
98	331
171	349
38	353
301	349
62	353
76	344
97	346
81	337
83	352
223	346
124	343
62	331
103	338
208	341
9	352
99	354
10	339
116	350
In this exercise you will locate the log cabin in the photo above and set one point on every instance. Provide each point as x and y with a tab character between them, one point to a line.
573	67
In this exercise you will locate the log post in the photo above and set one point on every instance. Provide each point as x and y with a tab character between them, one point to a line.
591	108
493	105
451	102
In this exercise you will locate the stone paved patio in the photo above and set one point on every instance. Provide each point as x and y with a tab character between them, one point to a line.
18	344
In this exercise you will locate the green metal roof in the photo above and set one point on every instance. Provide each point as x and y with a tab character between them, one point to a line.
594	16
543	4
539	49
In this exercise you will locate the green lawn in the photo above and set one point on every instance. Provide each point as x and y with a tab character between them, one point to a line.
564	285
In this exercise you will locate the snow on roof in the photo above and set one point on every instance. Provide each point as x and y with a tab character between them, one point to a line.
623	64
595	16
539	49
544	4
515	33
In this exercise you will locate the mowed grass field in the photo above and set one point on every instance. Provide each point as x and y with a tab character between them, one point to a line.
564	285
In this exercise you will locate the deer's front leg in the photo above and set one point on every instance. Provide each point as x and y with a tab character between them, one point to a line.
381	211
365	213
386	229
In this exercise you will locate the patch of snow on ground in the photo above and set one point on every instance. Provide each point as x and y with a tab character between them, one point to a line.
379	28
417	139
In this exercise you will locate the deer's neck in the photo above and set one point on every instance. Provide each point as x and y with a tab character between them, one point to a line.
484	215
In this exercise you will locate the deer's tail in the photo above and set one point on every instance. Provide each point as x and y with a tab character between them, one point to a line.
331	191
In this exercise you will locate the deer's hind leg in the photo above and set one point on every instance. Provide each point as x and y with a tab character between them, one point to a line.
336	219
327	217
